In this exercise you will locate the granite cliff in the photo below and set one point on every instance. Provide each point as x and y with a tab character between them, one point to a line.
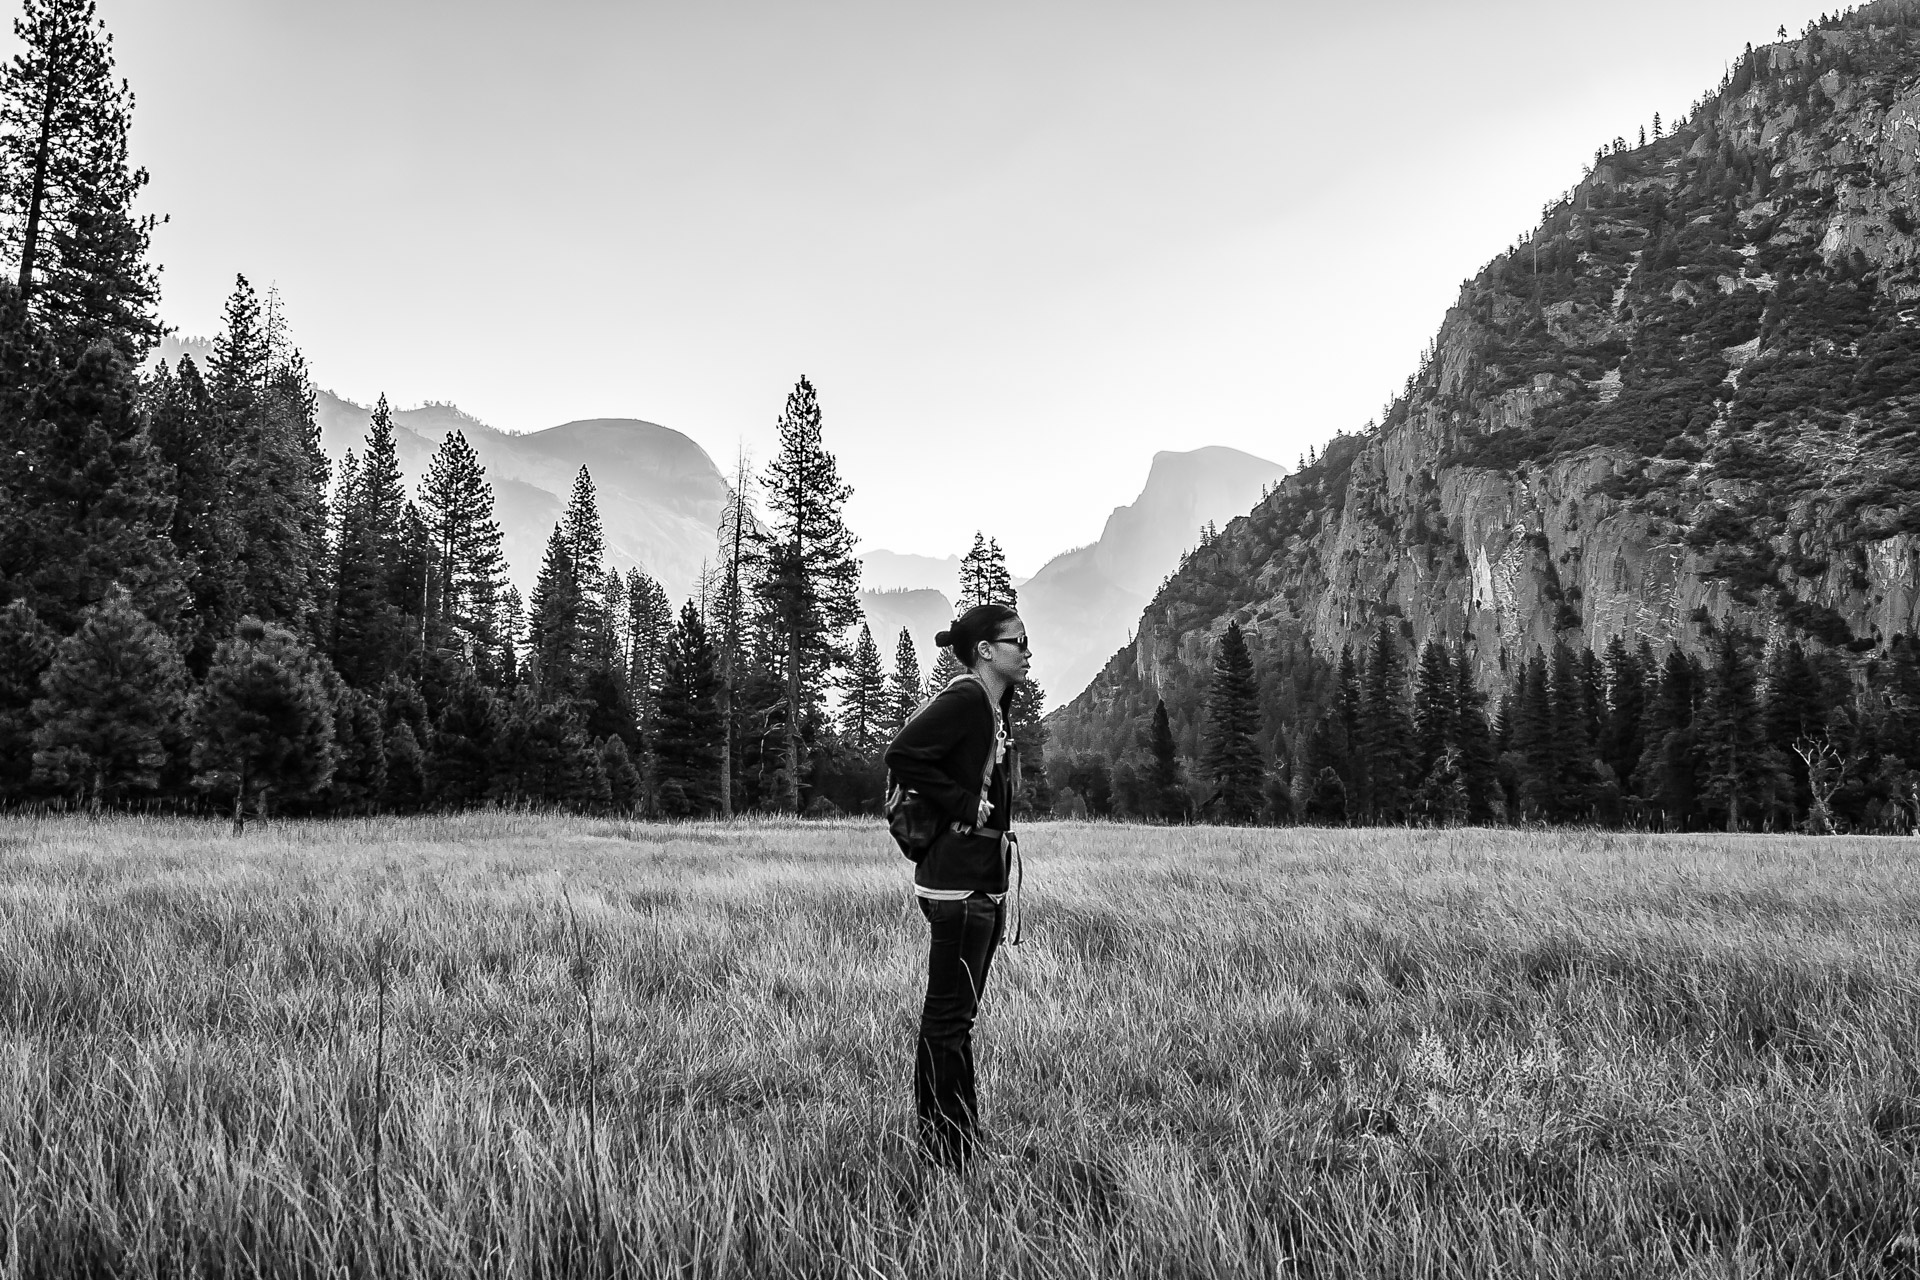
1689	400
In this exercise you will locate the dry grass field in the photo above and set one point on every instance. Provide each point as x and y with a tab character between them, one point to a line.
362	1048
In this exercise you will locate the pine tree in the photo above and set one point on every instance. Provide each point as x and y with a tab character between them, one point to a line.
945	668
465	741
1386	729
738	541
373	586
1795	710
27	647
182	428
1166	792
1348	745
809	588
262	721
624	791
586	541
1626	704
66	188
513	628
360	756
903	686
1435	713
1027	729
406	728
688	731
554	622
84	502
457	504
1479	759
272	509
1232	757
1739	773
1532	752
863	707
1569	747
110	701
983	576
545	758
1666	774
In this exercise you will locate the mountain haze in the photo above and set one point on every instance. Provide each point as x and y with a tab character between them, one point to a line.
1689	401
1083	603
659	492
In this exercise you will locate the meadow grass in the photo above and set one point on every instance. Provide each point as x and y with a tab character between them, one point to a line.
1219	1052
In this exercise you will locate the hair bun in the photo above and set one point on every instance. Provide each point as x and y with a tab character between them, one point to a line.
943	639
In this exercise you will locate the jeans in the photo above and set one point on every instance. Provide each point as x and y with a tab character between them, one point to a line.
965	936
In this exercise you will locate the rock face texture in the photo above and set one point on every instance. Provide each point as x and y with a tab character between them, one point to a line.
1690	400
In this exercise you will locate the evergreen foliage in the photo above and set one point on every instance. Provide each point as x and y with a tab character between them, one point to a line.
109	704
903	685
457	504
67	222
984	578
864	705
27	647
464	750
689	732
262	720
1386	729
811	577
1166	796
1232	760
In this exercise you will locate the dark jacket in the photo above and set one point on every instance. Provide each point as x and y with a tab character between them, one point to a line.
941	753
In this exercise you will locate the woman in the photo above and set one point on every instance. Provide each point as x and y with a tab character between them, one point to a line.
955	752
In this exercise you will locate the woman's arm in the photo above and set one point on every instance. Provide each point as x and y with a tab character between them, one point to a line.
919	750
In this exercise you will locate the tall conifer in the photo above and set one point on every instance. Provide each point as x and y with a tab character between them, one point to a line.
863	708
903	687
811	578
1166	791
688	732
457	504
67	223
1739	773
1387	729
1232	750
554	621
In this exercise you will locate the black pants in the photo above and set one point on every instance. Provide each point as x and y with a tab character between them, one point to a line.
965	936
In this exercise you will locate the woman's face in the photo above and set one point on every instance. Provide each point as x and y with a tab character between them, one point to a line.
1008	654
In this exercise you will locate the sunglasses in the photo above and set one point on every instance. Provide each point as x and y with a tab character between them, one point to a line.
1020	641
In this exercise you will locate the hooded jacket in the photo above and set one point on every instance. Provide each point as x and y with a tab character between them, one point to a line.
941	753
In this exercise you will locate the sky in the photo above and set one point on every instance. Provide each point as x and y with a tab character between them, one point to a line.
1017	247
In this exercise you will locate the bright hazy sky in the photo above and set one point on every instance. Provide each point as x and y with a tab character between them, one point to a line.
1019	247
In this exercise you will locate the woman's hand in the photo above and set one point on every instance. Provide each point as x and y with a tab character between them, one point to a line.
986	811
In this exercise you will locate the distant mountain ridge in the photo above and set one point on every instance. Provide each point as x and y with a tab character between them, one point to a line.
660	494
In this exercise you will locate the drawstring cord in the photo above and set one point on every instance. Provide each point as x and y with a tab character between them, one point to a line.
1019	879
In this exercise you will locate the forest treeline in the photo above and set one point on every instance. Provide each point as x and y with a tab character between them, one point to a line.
197	608
1756	736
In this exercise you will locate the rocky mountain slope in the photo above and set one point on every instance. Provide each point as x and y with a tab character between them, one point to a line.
1083	603
1689	400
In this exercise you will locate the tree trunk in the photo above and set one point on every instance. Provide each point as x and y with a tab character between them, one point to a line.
726	742
42	158
792	797
240	805
93	795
